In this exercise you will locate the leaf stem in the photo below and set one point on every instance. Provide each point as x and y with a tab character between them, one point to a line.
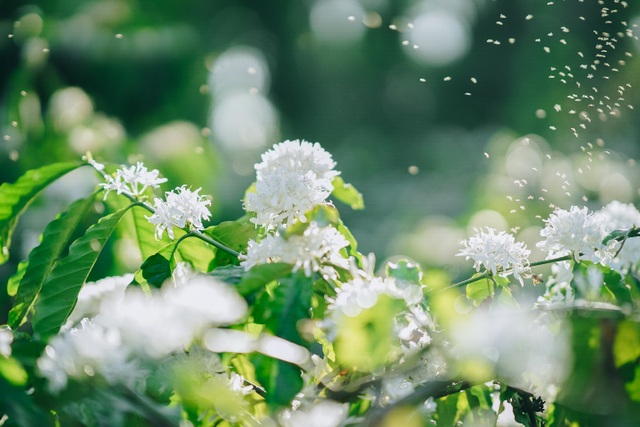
487	273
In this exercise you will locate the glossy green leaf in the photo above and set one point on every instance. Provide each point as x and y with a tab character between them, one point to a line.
281	380
291	302
233	234
16	197
41	261
154	270
347	194
231	274
260	275
60	291
447	410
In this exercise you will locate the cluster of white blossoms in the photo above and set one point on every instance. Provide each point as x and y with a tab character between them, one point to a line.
623	216
132	181
293	178
497	252
136	328
315	250
579	233
6	338
182	208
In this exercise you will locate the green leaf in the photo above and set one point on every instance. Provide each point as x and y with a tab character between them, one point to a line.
480	290
155	269
281	380
260	275
447	410
364	341
231	274
19	406
14	281
291	302
145	232
234	235
626	347
43	257
347	193
60	291
16	197
196	252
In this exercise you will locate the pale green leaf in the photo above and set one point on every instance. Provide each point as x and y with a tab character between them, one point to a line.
347	193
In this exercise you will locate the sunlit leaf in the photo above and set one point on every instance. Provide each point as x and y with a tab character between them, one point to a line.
43	257
16	197
626	347
16	278
363	341
347	193
480	290
60	291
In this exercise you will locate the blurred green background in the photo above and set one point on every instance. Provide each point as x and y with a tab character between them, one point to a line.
445	114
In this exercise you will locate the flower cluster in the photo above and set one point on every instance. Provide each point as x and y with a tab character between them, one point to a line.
293	178
182	208
577	232
132	181
315	250
131	329
497	252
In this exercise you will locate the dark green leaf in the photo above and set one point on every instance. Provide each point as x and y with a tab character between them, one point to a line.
231	274
43	257
16	197
260	275
291	302
347	193
60	291
19	406
155	270
281	380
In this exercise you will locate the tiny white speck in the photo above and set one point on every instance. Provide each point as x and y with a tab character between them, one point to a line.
448	78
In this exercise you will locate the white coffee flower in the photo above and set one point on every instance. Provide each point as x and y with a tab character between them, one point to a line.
182	208
283	198
559	292
497	252
6	338
577	232
88	350
294	177
324	413
129	333
298	156
316	250
93	294
623	216
132	181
